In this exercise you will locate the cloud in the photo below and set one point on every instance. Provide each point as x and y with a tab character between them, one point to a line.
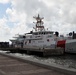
4	1
59	15
4	30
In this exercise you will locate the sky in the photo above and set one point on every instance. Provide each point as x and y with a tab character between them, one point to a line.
16	16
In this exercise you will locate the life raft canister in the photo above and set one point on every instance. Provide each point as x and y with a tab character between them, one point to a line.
61	43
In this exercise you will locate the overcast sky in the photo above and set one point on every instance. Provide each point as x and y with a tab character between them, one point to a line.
16	16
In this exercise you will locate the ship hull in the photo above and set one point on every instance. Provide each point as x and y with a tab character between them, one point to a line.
70	46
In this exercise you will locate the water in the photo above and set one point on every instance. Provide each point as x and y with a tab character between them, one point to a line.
67	60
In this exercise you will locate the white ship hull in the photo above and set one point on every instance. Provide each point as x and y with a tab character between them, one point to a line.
70	46
37	42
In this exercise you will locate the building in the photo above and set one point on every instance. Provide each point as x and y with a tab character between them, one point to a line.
4	44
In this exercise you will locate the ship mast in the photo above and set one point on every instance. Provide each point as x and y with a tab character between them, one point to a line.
39	23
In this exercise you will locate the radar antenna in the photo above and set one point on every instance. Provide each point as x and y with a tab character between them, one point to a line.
39	23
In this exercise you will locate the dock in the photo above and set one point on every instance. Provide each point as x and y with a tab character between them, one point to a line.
14	66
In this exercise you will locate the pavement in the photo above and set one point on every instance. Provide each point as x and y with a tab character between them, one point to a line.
11	66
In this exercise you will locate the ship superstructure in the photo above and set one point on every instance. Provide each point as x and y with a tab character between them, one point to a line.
40	38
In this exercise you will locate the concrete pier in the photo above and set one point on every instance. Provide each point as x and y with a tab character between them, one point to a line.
13	66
